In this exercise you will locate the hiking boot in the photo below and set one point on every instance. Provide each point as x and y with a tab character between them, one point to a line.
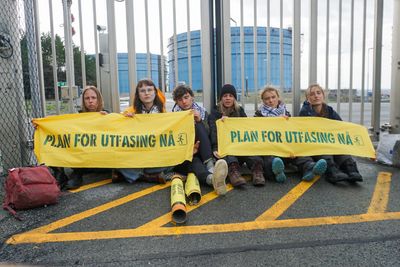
75	181
219	176
278	169
235	177
154	177
350	168
315	169
334	175
258	175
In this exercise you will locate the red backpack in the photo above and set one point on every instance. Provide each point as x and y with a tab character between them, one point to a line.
29	187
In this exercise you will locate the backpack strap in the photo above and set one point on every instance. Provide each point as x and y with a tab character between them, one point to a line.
7	207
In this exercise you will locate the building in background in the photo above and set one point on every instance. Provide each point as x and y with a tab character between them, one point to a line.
183	75
141	70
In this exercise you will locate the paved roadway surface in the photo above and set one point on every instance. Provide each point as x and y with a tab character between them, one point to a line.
291	224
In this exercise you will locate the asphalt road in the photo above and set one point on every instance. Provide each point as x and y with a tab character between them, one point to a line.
290	224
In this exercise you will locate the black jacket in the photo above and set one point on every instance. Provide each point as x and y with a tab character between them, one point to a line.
307	111
212	118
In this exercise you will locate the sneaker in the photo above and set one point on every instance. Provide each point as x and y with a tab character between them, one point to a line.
350	168
334	175
75	181
219	176
278	169
318	169
235	177
258	175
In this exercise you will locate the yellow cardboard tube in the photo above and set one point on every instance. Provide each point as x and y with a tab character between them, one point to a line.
192	189
178	200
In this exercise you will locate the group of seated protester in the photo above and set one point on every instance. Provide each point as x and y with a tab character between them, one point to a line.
208	166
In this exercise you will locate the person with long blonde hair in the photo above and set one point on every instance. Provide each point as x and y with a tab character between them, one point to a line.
340	167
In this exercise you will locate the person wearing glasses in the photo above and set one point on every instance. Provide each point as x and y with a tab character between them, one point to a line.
147	100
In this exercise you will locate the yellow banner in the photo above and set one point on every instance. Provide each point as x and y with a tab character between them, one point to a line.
115	141
295	136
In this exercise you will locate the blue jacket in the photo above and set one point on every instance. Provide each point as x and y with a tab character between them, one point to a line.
328	112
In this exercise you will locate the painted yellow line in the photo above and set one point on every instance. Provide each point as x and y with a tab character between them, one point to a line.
201	229
380	197
286	201
85	214
166	218
90	186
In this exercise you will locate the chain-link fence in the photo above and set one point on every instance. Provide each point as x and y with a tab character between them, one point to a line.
19	83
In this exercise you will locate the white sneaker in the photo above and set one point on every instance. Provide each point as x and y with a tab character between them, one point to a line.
219	176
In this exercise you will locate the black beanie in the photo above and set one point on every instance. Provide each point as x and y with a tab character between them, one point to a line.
228	89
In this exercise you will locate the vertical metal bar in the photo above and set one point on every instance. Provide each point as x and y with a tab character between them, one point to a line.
296	57
39	58
189	44
327	46
207	52
339	57
363	64
146	15
112	44
54	59
255	54
255	49
312	73
281	81
160	14
96	44
176	78
227	56
69	59
83	63
376	92
130	23
242	95
395	91
268	55
218	44
351	60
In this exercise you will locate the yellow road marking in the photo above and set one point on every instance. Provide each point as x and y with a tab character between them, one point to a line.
380	197
153	228
89	186
201	229
85	214
285	202
166	218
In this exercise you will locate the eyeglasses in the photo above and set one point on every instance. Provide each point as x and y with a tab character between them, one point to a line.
146	90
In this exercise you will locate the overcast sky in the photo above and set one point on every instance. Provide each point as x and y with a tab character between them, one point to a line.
139	27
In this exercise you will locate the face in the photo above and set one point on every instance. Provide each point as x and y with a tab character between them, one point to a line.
90	100
316	96
147	94
185	102
271	99
228	100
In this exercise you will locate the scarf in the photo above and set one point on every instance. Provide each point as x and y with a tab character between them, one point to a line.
196	107
267	111
153	109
